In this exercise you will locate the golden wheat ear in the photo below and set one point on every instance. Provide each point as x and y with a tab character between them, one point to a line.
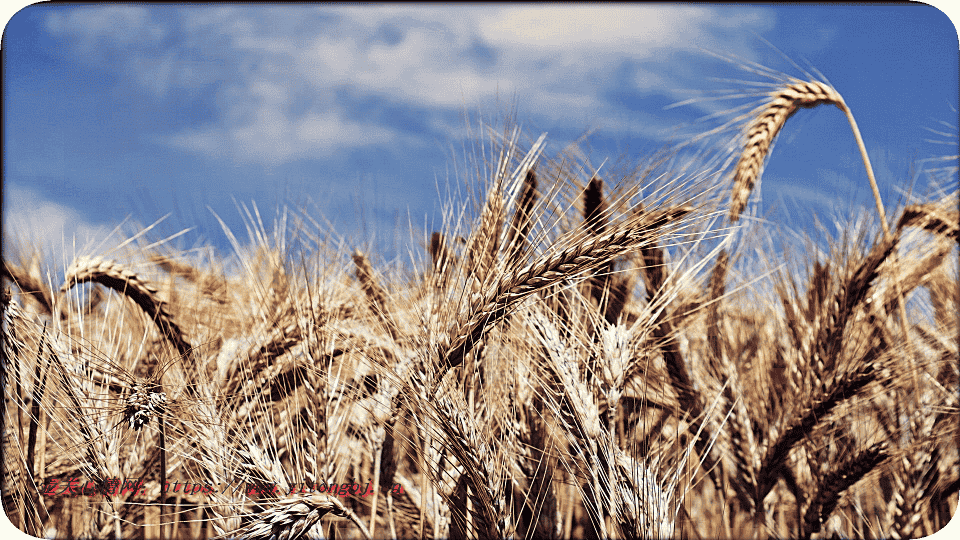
764	129
768	122
29	281
113	275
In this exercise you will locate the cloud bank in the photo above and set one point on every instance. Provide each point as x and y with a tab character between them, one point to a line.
291	82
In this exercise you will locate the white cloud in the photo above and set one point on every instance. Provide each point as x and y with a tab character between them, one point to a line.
556	60
31	222
255	127
112	26
621	29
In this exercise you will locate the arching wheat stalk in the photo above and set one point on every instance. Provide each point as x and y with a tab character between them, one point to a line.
768	123
765	127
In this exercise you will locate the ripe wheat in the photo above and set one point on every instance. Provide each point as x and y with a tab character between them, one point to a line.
764	128
573	363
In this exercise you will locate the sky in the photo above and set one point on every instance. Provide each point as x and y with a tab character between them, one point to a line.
361	116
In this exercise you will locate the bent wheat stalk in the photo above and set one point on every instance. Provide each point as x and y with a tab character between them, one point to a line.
767	124
115	276
765	127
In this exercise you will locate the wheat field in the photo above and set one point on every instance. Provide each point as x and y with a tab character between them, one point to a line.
574	355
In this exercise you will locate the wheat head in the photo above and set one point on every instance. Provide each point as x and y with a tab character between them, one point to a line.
764	129
124	281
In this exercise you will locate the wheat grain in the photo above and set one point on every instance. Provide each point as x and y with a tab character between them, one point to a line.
850	294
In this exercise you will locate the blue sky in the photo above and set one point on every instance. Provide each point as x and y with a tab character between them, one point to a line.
358	114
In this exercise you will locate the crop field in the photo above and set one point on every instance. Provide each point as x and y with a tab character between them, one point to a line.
622	354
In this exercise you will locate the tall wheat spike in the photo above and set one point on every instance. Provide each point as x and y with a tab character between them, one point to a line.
763	130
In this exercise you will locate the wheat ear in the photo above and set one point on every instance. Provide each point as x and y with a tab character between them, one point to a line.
764	129
29	284
520	225
115	276
484	242
549	269
767	124
834	484
176	268
933	218
440	253
595	221
292	518
376	296
774	461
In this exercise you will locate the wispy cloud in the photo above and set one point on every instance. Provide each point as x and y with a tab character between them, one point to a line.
34	223
100	30
293	82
